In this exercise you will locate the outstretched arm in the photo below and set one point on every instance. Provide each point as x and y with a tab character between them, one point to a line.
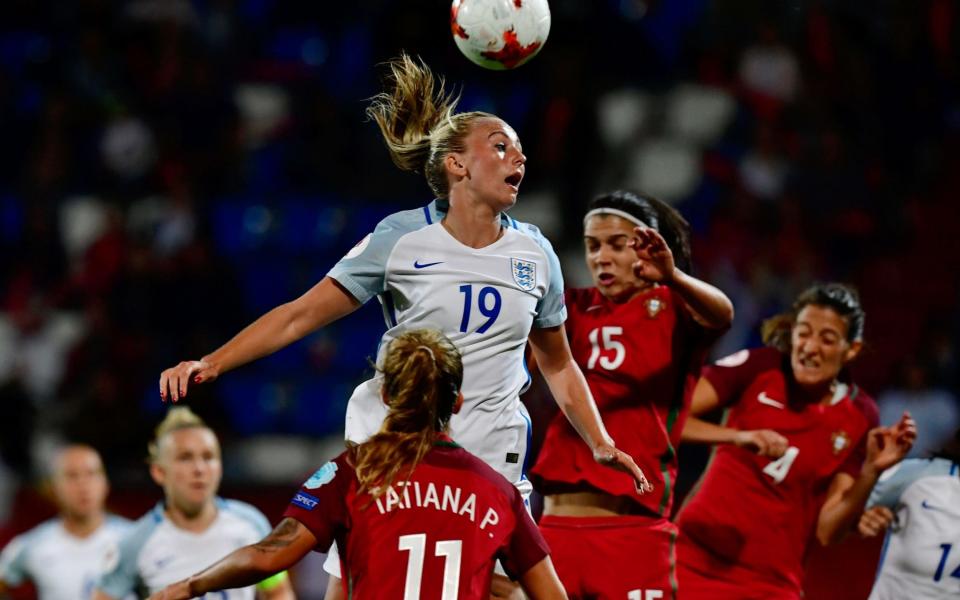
886	446
570	390
249	565
708	305
321	305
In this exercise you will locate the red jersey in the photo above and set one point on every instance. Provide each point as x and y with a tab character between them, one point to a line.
641	359
437	535
750	518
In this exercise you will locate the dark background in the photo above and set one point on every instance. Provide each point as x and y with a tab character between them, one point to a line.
171	169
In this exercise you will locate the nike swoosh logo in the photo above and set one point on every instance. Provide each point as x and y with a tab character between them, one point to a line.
762	398
418	265
930	506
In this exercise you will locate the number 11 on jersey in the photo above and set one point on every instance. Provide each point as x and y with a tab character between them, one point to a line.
450	550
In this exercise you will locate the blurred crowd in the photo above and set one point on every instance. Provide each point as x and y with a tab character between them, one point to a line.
170	169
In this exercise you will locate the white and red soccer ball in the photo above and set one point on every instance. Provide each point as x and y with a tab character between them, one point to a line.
500	34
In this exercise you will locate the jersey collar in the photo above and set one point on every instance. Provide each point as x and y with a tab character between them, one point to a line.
445	440
437	209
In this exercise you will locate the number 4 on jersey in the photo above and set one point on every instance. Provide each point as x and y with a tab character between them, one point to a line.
779	468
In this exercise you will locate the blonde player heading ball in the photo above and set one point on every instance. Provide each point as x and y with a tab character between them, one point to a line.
411	509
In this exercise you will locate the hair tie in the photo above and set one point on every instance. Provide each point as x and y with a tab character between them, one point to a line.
616	212
429	351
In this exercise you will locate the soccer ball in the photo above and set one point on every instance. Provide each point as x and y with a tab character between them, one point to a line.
500	34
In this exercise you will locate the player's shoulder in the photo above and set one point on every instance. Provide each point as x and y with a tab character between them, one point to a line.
141	531
243	512
914	469
895	481
118	525
406	221
582	298
864	403
45	532
336	469
758	359
531	232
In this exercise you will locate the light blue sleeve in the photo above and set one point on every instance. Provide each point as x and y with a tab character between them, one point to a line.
13	561
551	310
250	514
120	575
895	480
361	272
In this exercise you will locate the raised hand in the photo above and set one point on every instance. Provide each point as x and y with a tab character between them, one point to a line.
886	446
175	380
654	258
764	442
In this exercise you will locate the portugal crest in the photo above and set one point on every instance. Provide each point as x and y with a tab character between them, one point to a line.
654	306
839	440
524	273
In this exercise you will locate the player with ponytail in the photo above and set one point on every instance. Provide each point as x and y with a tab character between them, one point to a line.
459	264
410	509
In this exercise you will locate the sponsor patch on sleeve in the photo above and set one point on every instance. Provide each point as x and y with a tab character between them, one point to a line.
305	501
322	476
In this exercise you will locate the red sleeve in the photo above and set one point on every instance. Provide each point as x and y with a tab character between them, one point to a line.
731	375
525	547
321	502
854	462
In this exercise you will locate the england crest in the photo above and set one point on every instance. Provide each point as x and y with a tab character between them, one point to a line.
524	273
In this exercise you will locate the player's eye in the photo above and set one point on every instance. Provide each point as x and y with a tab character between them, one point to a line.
501	146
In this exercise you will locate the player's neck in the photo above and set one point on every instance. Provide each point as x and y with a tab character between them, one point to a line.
81	527
819	394
193	522
476	227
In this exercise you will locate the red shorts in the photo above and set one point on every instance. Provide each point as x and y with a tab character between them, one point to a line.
702	577
621	558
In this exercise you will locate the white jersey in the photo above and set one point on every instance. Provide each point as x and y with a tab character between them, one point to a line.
157	553
61	565
921	555
485	300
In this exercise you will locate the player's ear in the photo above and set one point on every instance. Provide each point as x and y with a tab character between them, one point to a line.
453	163
458	404
157	474
852	351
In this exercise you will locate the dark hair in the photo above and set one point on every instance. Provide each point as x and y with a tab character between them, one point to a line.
841	298
422	374
950	450
655	213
